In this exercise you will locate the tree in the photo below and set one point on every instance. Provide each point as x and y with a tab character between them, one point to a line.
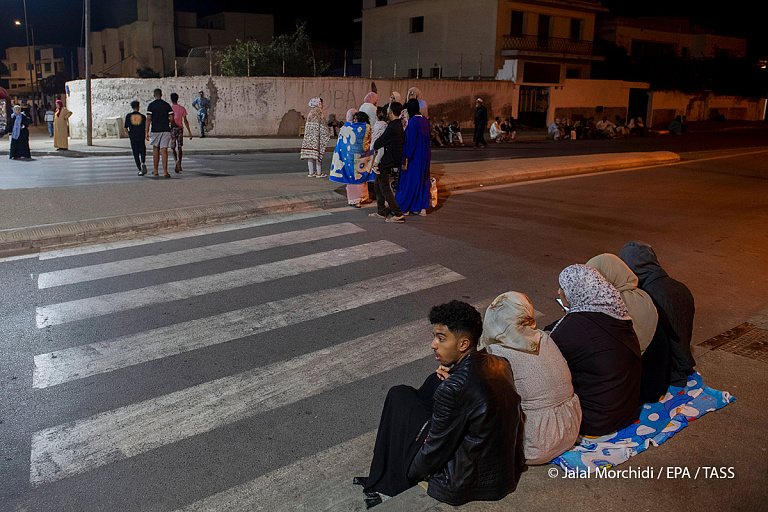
147	72
288	55
55	84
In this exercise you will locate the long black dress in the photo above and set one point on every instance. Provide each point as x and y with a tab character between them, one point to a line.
20	145
402	430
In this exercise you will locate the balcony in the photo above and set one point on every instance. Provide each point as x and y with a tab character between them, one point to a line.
513	45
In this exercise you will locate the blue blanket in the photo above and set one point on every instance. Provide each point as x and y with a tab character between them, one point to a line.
353	156
658	422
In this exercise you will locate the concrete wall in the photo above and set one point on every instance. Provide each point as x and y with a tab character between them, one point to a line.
270	106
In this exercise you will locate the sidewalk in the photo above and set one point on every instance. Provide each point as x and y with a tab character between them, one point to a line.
41	144
37	219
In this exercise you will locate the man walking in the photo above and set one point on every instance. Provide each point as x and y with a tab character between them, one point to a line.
481	121
135	125
159	119
201	104
177	130
392	142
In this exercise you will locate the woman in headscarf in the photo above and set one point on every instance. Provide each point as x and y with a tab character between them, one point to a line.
61	126
601	348
395	98
369	106
415	93
413	193
19	134
316	137
675	305
542	379
353	158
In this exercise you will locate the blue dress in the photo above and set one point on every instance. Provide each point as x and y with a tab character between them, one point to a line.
413	188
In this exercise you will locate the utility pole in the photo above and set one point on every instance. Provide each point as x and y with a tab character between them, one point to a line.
88	111
29	54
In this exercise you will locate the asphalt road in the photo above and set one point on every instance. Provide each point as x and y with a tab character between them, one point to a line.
54	171
250	375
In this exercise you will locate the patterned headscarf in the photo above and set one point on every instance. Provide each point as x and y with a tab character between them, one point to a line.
315	102
415	92
586	290
371	98
509	322
316	110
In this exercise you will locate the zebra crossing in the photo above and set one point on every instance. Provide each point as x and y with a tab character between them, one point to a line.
62	172
301	282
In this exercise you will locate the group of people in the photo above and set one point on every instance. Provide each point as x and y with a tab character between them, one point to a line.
163	127
388	145
503	131
443	134
561	129
507	393
58	127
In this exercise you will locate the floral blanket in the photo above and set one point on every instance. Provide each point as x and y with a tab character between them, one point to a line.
353	156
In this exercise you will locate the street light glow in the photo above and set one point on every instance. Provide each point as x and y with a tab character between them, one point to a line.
18	22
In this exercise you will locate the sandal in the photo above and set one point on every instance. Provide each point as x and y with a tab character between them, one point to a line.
376	214
398	220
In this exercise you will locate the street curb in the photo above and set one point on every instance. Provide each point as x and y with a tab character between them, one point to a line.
26	240
33	239
187	152
556	167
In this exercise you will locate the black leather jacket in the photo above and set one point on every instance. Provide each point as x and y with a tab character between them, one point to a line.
474	450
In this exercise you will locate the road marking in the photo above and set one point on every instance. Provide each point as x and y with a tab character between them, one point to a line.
121	302
76	447
261	221
321	482
188	256
88	360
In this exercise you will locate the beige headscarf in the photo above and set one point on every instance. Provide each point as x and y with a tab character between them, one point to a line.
509	322
639	304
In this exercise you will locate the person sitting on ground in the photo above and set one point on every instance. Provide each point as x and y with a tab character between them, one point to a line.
601	348
621	126
434	136
675	305
442	131
553	130
511	128
636	127
676	126
463	434
495	132
655	362
454	132
551	408
684	125
606	128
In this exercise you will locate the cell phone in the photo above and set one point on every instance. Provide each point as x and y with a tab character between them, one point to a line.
560	301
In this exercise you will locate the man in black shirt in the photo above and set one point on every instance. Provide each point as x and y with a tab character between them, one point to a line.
135	126
392	142
160	117
481	121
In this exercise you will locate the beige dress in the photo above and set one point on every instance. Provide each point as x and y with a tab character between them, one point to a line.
60	128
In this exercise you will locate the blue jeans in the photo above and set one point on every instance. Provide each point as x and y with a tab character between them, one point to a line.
201	123
50	128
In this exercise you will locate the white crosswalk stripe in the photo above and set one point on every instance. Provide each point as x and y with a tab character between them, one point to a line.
83	445
123	301
166	420
176	258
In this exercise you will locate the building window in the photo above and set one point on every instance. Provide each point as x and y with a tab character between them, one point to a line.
685	52
104	53
516	26
576	29
381	3
122	51
412	73
417	24
14	67
572	73
544	26
434	72
47	67
59	67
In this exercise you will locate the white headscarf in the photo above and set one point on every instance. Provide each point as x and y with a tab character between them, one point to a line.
315	102
509	322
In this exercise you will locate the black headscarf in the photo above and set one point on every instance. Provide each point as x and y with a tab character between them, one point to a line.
673	301
412	106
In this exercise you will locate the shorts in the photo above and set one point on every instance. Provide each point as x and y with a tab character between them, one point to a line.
160	139
177	137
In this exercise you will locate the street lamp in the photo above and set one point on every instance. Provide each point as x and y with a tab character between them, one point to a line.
29	51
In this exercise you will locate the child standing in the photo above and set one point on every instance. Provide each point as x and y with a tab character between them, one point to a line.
135	126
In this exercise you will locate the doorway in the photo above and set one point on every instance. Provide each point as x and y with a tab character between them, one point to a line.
534	103
638	104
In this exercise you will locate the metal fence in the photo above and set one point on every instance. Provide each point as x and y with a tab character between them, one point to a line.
202	60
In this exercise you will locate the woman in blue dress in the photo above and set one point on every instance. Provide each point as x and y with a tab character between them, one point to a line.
413	193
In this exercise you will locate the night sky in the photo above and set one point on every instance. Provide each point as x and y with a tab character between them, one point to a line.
60	21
